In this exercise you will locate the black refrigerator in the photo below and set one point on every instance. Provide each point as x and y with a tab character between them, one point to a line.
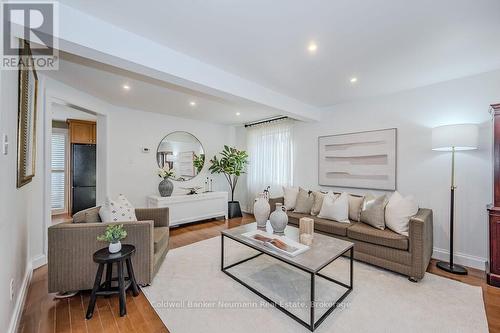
83	175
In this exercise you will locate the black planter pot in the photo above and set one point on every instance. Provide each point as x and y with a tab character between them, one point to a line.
233	209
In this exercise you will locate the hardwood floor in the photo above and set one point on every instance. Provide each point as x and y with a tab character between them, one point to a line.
43	313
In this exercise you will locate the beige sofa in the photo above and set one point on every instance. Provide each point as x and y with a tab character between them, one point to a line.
71	246
408	255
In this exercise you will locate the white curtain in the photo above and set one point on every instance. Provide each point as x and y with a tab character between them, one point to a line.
270	150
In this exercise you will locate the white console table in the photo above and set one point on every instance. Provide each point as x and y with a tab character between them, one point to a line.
191	208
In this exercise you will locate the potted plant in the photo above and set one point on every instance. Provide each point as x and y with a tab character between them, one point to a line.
231	165
113	235
165	187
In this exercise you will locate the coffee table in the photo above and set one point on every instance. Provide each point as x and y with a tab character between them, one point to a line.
322	252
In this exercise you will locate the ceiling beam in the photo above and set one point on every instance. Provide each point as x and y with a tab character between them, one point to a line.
93	38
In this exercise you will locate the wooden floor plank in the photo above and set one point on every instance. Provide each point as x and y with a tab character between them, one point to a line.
44	314
94	324
77	315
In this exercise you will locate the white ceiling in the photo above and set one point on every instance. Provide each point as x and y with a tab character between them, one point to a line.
64	112
390	45
146	94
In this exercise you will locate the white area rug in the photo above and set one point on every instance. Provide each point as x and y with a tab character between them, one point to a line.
191	294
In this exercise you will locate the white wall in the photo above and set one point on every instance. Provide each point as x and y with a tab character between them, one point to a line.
421	171
20	209
125	132
133	172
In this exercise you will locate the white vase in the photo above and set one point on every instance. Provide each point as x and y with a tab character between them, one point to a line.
115	247
261	210
279	219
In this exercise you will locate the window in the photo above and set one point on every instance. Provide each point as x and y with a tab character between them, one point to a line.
270	152
59	170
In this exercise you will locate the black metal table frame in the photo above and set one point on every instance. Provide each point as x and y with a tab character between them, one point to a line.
312	325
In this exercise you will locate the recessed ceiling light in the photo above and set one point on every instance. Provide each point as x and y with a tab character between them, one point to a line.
353	79
192	103
126	87
237	113
312	47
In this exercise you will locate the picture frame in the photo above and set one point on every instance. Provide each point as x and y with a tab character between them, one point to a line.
365	160
27	115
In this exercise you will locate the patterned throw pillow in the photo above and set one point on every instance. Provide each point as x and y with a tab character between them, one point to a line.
317	202
355	205
119	210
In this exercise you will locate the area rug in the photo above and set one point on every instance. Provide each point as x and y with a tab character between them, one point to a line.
191	294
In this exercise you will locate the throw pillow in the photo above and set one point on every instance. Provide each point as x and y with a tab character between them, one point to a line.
119	210
317	202
290	197
304	202
335	207
355	205
398	211
373	212
89	215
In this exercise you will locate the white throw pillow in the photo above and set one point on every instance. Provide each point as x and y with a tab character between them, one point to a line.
335	207
290	196
119	210
398	212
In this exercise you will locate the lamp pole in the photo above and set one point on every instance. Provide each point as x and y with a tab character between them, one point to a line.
451	267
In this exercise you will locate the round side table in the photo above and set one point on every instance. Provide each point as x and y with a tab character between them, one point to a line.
104	257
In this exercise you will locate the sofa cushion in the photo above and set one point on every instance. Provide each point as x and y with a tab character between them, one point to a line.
355	206
373	212
323	225
304	201
317	202
89	215
160	236
363	232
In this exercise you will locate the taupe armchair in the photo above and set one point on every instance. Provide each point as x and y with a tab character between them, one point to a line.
71	246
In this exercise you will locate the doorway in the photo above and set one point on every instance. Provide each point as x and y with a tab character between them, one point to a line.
73	162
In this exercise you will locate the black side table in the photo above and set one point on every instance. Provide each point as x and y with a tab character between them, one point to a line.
104	257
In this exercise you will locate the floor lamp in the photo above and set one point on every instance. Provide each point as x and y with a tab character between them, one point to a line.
454	138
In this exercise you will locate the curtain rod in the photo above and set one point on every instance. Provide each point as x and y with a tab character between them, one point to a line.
264	121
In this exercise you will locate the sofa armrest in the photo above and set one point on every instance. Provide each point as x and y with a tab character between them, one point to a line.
274	201
421	241
160	216
72	245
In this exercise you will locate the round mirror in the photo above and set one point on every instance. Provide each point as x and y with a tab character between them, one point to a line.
183	153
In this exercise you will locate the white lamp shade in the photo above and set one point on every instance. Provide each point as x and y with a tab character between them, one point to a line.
460	137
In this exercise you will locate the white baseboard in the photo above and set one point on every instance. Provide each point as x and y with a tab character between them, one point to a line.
21	300
460	258
39	261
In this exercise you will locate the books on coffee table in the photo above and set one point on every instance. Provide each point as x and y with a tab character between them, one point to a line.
278	243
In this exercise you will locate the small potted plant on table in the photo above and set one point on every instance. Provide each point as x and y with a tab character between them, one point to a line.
113	235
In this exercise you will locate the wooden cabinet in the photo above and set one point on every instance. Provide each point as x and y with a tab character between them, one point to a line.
493	273
82	131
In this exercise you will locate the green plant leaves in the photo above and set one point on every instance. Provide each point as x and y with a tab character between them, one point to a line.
113	233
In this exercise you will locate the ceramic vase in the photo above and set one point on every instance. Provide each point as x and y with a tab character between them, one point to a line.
115	247
165	187
261	210
279	219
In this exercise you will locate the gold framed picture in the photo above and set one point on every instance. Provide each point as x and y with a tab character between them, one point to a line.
26	120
